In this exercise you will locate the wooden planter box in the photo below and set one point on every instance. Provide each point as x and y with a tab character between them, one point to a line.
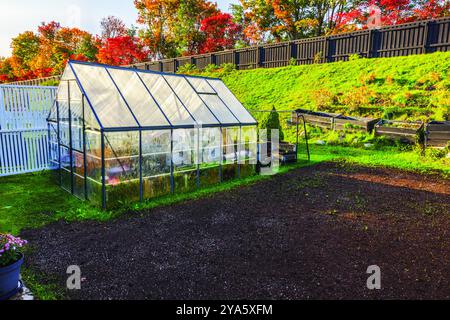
318	119
408	132
354	124
437	134
334	121
287	152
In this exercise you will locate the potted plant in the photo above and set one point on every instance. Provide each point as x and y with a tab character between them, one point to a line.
11	259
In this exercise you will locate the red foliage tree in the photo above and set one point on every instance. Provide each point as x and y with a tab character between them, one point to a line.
220	33
123	50
392	12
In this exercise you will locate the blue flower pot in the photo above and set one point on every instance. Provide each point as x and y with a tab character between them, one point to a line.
9	278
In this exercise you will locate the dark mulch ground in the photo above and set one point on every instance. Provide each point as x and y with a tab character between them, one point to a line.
309	234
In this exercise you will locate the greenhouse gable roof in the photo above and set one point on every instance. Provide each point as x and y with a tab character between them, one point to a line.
124	98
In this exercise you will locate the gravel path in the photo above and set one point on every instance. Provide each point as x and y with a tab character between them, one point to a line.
309	234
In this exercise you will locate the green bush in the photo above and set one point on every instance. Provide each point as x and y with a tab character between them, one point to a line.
227	68
354	57
188	68
50	83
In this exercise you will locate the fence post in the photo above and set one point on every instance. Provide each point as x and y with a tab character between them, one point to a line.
326	50
293	51
259	56
213	59
2	108
369	44
426	36
236	59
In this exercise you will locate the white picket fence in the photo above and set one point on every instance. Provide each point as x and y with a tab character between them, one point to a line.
24	144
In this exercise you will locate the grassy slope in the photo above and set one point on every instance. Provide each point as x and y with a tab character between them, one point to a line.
413	87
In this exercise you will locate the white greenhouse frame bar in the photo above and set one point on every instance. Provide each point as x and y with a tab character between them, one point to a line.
123	135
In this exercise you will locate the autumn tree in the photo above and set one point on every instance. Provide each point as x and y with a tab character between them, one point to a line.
58	44
25	47
267	20
6	70
123	50
220	33
112	27
173	26
392	12
46	52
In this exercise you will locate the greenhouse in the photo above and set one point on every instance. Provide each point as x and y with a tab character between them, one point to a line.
121	135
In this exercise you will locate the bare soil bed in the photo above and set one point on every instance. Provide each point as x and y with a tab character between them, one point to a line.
308	234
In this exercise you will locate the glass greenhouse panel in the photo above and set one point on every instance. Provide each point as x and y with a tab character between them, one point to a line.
232	102
122	167
191	100
64	125
90	121
210	156
66	173
219	109
75	92
185	146
53	116
53	145
68	74
63	91
78	174
138	98
201	85
248	151
167	100
76	111
104	97
156	163
94	166
230	168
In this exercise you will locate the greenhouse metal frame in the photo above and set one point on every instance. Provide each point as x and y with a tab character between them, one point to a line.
121	135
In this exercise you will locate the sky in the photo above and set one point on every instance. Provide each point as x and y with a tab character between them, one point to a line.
19	16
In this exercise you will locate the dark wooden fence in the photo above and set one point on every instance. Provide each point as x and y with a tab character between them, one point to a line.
401	40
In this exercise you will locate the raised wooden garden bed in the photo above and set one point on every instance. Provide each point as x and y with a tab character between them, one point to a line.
332	121
287	153
437	134
354	124
408	132
318	119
